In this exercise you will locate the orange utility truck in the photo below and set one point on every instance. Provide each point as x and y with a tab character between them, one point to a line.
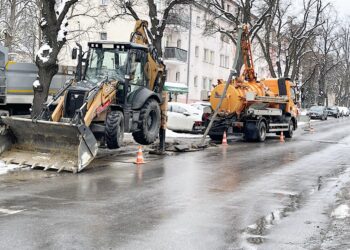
252	107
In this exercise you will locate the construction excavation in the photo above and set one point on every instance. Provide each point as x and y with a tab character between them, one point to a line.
174	124
118	89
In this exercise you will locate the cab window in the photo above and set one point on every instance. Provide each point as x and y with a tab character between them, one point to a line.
137	65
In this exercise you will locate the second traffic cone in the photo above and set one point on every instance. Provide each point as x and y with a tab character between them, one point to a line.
139	159
311	127
224	139
281	137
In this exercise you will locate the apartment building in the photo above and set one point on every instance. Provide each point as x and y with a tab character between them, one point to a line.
191	58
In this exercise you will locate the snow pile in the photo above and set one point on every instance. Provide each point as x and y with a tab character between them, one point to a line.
341	212
172	134
43	22
303	112
44	53
6	168
36	84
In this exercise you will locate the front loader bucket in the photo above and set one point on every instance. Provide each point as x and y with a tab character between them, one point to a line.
45	144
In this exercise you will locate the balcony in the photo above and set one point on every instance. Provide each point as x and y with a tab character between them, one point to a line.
175	56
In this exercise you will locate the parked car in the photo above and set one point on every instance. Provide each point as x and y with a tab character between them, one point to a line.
333	111
184	118
201	105
318	112
344	111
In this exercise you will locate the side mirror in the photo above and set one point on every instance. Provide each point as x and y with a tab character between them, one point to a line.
74	53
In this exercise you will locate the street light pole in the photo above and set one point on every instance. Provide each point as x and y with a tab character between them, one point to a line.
189	53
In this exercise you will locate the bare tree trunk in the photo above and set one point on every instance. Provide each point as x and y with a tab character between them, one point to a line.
46	75
11	26
46	59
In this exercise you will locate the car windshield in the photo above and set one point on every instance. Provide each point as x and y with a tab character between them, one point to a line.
316	108
103	63
332	108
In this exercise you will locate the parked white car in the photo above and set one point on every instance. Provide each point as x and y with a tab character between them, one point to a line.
184	118
344	111
201	106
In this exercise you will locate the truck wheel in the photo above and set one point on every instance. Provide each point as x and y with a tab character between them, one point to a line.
289	133
250	131
216	137
150	119
114	130
262	131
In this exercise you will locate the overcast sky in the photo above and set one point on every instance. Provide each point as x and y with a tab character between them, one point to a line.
342	6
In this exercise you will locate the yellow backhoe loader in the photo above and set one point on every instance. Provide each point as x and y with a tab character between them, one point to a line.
118	88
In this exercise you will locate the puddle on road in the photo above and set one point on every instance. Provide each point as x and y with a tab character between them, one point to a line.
256	233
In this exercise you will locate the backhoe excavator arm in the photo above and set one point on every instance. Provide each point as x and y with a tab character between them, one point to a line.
248	72
155	71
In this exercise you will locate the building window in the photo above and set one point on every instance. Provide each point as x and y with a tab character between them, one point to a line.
195	81
212	57
177	77
168	41
227	61
104	2
103	35
196	51
222	61
198	22
210	83
204	83
206	55
178	43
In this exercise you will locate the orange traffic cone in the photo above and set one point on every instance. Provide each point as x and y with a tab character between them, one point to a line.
282	137
139	159
311	128
224	139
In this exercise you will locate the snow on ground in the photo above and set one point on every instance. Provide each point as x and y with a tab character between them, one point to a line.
172	134
303	112
341	212
6	168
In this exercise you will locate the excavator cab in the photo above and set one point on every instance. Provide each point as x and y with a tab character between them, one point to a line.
117	89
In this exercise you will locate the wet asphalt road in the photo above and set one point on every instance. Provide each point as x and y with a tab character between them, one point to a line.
268	195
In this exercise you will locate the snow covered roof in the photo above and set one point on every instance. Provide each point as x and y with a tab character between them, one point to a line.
176	87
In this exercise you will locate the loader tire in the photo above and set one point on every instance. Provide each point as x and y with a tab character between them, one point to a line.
150	119
114	129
